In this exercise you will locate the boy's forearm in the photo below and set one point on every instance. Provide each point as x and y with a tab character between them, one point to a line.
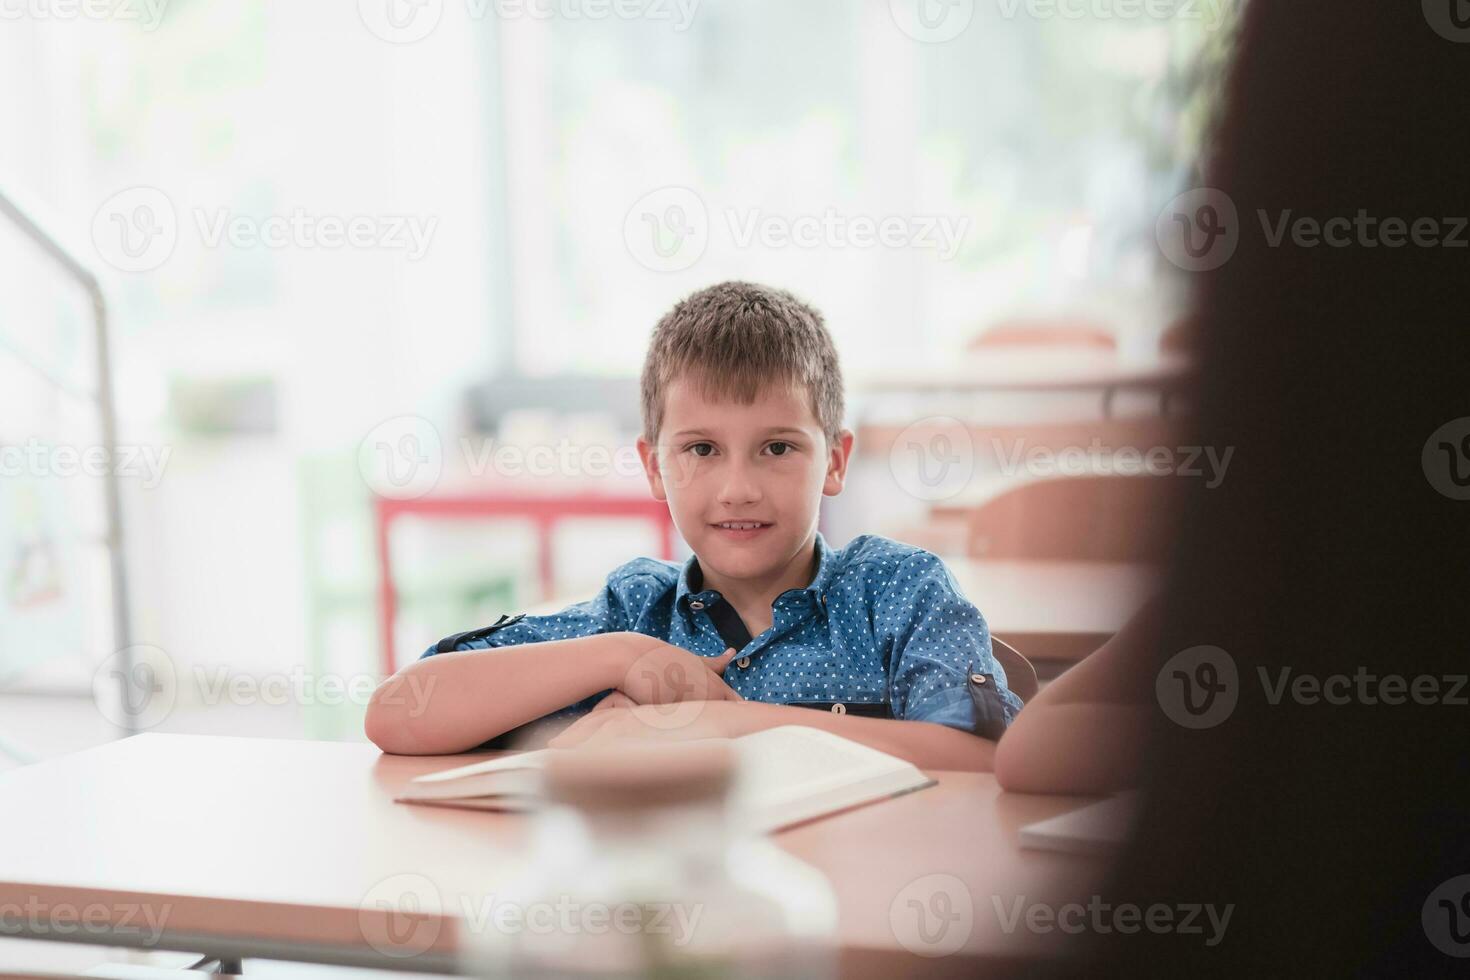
452	702
925	744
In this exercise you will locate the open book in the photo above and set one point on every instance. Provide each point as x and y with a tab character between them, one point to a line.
785	775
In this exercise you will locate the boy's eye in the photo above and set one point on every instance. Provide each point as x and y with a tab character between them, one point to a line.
779	448
701	449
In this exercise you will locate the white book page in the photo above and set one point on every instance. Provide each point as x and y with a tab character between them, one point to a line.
790	763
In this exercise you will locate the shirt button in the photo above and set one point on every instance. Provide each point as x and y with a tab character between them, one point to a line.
978	678
743	662
839	708
696	605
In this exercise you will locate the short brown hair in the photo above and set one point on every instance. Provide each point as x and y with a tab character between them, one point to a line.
736	337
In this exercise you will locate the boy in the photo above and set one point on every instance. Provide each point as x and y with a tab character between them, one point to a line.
742	412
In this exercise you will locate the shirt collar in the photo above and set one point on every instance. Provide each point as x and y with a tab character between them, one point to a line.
691	578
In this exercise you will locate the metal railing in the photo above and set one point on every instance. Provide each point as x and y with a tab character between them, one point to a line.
27	221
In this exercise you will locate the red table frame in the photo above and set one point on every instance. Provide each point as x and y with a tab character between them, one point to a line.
543	511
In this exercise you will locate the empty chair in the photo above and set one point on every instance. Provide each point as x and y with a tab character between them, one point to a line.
1085	518
1046	332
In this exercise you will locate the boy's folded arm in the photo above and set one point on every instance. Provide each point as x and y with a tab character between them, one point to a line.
452	702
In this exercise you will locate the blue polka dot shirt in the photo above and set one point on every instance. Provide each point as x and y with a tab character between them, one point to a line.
882	630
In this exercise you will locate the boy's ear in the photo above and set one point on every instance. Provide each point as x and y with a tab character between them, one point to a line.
839	453
649	455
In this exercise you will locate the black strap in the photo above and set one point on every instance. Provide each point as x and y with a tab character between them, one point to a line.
868	709
990	710
450	643
728	624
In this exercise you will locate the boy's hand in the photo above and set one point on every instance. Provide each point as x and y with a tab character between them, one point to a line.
686	720
661	673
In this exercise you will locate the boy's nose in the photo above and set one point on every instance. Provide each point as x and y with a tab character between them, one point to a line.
739	486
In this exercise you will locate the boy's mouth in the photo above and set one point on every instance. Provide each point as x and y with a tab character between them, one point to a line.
741	530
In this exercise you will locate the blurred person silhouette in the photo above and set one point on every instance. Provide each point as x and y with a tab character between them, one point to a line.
1319	786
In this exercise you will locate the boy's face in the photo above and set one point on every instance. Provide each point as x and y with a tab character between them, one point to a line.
744	482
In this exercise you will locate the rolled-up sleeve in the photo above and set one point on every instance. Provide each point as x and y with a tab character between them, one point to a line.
940	665
603	613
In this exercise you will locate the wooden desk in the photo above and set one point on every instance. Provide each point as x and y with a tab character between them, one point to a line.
281	849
